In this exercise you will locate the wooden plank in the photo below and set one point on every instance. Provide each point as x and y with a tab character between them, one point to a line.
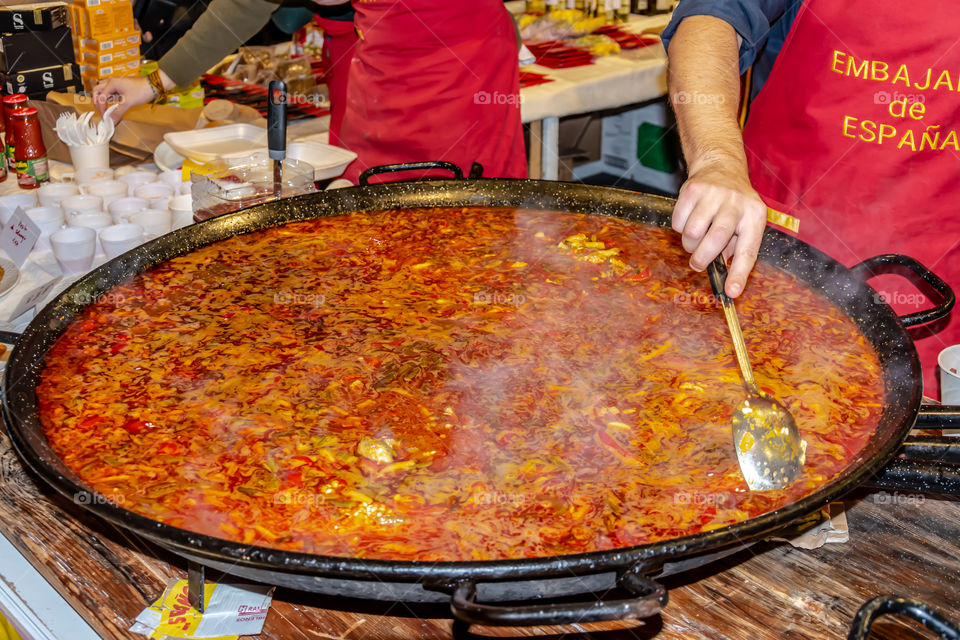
900	543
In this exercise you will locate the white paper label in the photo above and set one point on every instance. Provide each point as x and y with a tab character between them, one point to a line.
18	237
33	298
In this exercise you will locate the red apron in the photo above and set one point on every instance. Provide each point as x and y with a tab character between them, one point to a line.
339	43
435	81
855	135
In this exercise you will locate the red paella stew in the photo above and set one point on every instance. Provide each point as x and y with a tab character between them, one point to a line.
445	384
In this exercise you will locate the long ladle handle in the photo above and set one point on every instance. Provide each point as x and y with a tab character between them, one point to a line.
717	270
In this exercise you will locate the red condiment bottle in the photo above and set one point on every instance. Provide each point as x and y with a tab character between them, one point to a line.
30	152
3	129
11	102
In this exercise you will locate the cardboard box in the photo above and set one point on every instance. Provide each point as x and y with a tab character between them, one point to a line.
106	20
42	95
124	40
92	75
35	50
45	79
41	16
642	146
108	58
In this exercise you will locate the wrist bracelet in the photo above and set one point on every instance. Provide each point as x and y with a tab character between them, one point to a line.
156	84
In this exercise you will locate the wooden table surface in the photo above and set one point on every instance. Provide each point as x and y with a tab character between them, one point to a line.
902	544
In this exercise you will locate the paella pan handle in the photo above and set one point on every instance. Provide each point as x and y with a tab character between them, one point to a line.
868	613
651	598
364	178
876	264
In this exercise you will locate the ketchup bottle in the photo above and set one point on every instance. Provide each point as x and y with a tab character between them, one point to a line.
30	152
10	103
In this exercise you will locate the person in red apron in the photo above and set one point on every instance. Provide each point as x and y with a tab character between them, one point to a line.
852	144
434	81
339	46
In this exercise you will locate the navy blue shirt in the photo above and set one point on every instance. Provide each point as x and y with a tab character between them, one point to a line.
761	24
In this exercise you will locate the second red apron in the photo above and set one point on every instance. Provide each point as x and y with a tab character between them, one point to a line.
435	81
855	136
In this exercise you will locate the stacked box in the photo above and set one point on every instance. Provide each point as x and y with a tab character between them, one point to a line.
36	49
106	42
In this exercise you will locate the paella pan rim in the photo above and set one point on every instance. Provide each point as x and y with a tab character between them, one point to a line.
899	359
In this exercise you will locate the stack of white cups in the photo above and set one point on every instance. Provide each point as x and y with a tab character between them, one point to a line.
100	211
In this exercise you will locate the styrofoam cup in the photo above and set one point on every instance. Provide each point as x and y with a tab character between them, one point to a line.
181	208
75	205
74	248
90	156
136	178
9	204
949	365
51	193
97	220
50	220
154	222
120	238
173	177
109	190
81	176
122	208
154	191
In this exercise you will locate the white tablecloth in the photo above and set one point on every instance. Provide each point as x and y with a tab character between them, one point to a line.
608	83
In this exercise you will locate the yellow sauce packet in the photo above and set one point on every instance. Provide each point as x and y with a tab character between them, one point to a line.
230	611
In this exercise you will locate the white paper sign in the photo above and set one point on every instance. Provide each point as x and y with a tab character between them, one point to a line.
33	298
18	237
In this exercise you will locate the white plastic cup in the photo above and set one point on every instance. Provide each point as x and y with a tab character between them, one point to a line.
181	208
90	156
74	248
75	205
122	208
949	365
108	190
97	220
136	178
9	204
186	187
154	191
173	178
50	220
82	176
154	222
51	193
120	238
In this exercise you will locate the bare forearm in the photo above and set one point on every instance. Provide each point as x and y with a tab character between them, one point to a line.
717	209
704	85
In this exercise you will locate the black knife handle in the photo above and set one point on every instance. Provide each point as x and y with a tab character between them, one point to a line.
277	120
717	272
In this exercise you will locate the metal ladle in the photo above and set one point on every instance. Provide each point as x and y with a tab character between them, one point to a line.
765	436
